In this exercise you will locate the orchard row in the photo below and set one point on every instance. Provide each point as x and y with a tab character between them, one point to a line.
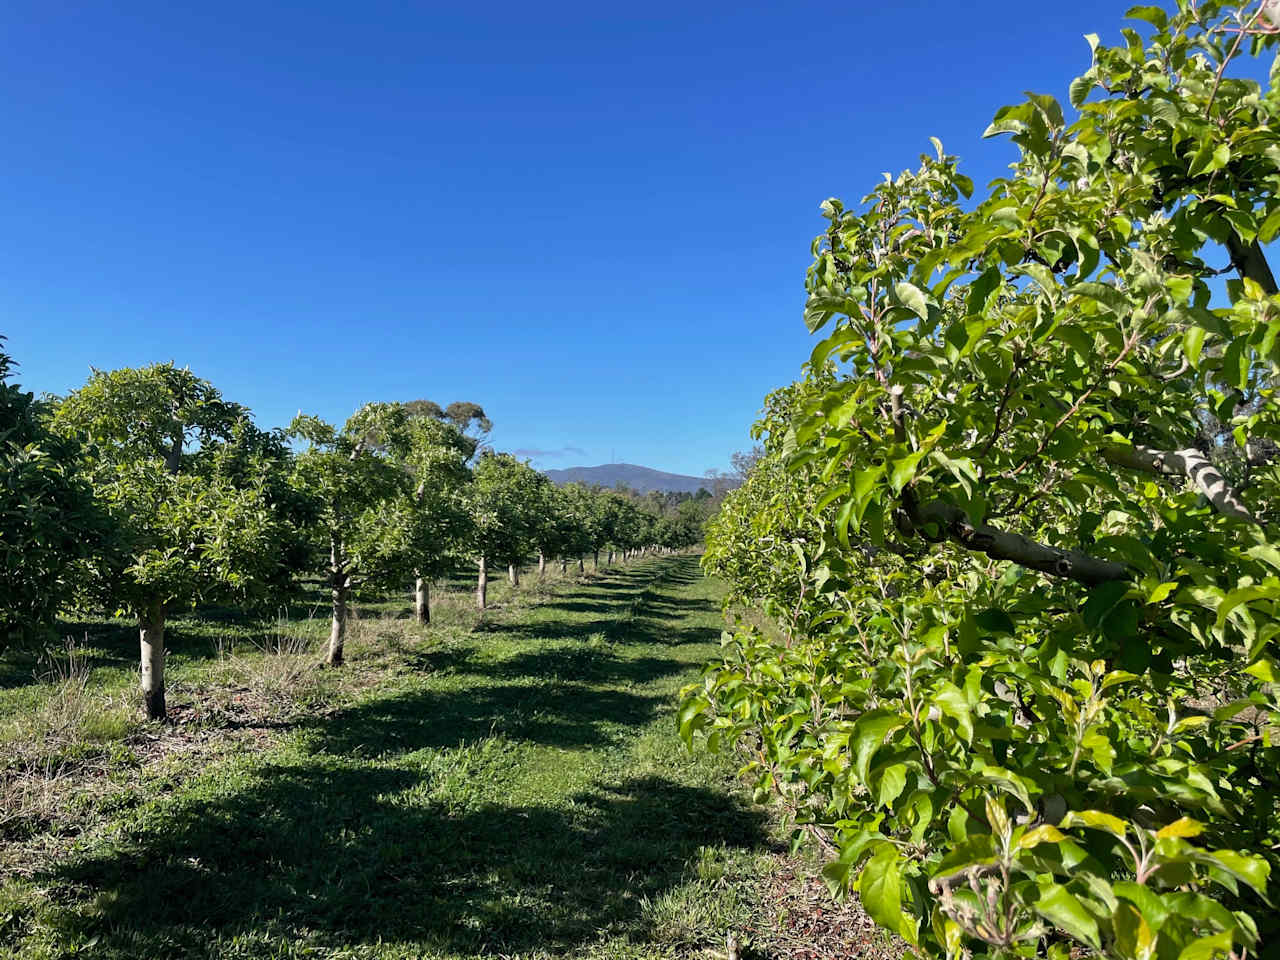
145	491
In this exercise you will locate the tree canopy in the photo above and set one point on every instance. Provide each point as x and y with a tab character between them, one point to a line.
1019	672
48	517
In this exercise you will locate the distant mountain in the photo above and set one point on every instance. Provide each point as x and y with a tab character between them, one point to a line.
641	479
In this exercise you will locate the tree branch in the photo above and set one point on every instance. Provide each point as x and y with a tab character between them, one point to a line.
1251	262
954	524
1188	462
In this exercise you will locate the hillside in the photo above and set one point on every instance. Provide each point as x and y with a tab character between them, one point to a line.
642	479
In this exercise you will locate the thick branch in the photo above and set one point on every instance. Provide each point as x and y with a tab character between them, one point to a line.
954	524
173	459
1188	462
1251	262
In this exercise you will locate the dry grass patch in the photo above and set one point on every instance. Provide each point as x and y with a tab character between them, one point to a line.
45	752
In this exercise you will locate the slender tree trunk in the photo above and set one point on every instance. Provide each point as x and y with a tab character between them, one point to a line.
151	637
482	585
421	601
338	629
595	563
582	567
564	564
611	558
542	564
513	574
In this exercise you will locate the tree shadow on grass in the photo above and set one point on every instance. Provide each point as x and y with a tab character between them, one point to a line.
357	855
567	715
570	662
627	630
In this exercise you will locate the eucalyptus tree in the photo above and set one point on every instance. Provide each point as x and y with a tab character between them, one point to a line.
1022	674
503	503
366	526
468	418
48	516
180	530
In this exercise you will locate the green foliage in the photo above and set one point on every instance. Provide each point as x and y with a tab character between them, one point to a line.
1022	574
362	491
505	503
186	522
48	519
435	519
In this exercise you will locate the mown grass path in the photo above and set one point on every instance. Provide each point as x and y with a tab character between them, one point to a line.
511	787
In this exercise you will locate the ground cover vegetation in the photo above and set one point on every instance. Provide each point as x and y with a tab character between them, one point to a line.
1006	577
500	783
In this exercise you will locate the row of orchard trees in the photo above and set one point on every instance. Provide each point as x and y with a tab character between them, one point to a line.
145	491
1016	536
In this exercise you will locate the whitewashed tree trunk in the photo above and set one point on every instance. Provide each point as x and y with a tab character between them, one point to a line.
482	585
338	627
582	567
564	564
542	564
151	637
513	574
421	601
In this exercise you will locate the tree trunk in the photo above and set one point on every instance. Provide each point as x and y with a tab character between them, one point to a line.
610	558
482	585
582	567
173	459
542	564
338	629
513	574
421	601
151	637
1251	262
595	563
564	564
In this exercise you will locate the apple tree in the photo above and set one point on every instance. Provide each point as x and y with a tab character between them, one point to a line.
179	531
48	516
1019	679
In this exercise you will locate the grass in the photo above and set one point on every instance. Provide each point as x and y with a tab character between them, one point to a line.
499	784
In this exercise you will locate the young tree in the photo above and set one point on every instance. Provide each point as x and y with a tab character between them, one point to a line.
584	510
434	452
1023	680
48	517
503	502
366	523
180	531
556	527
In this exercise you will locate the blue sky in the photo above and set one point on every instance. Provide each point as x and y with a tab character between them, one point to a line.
592	219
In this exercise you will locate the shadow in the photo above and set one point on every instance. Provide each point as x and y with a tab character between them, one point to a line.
567	663
348	855
644	627
581	664
577	606
566	715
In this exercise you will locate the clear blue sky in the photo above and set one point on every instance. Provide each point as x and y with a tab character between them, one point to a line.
592	219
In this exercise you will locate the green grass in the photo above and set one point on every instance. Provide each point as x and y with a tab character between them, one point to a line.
506	784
